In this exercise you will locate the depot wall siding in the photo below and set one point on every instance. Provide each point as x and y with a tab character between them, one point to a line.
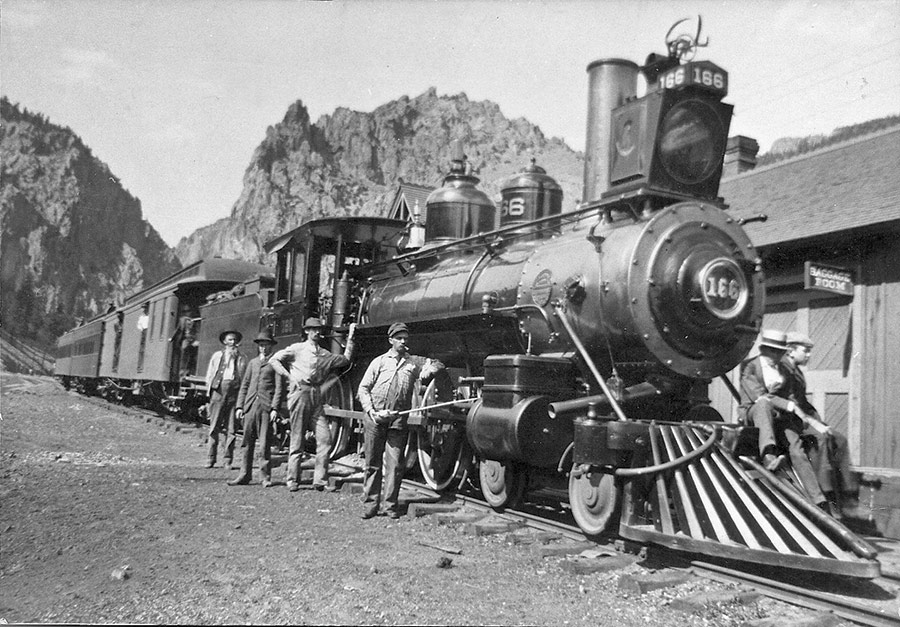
879	358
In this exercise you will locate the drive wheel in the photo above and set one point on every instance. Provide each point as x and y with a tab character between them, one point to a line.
441	448
502	483
595	500
338	396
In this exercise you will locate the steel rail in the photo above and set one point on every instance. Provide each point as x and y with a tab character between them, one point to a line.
532	521
795	595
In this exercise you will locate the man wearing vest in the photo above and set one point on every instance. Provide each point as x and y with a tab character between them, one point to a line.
258	401
308	366
223	380
385	390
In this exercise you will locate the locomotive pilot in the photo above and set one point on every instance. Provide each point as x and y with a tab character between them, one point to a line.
385	393
831	453
223	380
765	400
310	368
258	400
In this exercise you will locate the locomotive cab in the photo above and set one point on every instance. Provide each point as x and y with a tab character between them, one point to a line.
318	269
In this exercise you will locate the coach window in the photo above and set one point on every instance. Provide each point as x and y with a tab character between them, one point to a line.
152	320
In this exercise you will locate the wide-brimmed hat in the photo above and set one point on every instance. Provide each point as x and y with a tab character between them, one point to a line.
795	337
265	336
224	333
397	327
313	323
773	339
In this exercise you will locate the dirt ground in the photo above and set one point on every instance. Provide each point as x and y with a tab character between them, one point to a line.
106	517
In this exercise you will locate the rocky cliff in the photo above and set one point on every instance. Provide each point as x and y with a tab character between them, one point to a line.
349	163
72	237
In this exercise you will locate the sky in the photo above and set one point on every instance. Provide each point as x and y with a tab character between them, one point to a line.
174	95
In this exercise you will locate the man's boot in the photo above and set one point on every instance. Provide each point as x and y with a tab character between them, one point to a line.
246	469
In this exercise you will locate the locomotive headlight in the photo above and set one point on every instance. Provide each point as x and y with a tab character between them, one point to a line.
723	288
690	141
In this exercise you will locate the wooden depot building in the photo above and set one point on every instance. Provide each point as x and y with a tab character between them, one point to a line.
831	253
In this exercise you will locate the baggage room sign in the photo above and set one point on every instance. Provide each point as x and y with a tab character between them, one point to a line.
818	276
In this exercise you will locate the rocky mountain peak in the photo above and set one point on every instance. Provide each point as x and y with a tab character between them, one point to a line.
349	162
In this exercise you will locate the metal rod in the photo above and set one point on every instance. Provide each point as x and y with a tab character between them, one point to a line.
410	411
857	545
731	388
558	310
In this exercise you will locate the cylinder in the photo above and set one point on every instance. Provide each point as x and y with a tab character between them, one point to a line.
523	432
611	82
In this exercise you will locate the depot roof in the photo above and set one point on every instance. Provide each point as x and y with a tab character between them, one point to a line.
847	186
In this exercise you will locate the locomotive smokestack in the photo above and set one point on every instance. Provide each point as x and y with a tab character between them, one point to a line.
610	83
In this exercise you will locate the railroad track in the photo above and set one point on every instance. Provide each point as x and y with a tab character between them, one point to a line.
811	596
858	612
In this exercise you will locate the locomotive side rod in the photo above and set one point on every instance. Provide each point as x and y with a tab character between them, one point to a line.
559	311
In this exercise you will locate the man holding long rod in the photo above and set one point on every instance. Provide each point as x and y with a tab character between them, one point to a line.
385	393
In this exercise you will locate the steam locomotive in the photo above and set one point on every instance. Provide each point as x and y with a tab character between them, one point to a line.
578	344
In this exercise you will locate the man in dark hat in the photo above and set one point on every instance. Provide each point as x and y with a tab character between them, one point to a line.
260	396
831	452
765	401
223	378
308	367
385	390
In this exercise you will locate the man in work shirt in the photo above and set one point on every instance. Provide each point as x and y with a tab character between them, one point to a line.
386	389
307	366
223	379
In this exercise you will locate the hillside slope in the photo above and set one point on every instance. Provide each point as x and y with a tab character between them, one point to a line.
72	237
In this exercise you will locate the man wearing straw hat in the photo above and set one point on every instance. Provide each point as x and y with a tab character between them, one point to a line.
765	390
385	392
223	379
309	368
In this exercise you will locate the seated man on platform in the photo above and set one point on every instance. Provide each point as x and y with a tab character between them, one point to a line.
831	451
764	400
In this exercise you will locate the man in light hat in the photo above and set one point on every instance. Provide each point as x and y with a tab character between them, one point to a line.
831	450
223	379
385	390
765	402
260	396
307	367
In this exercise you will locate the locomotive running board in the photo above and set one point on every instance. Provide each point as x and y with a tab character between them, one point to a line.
730	508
